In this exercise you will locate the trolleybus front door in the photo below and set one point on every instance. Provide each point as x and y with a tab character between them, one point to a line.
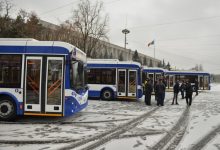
33	78
121	82
132	83
54	84
44	85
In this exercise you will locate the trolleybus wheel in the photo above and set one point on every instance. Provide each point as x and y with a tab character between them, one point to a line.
193	88
107	95
7	109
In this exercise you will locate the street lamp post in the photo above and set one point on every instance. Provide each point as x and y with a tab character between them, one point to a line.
125	31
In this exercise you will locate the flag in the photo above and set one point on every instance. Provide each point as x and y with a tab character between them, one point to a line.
151	43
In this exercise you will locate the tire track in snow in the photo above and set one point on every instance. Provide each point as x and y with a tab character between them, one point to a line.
175	135
102	138
202	143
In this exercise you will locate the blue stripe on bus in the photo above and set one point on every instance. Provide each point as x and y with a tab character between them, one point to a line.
34	49
152	70
112	66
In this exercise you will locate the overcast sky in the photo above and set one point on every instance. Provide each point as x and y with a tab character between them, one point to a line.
186	32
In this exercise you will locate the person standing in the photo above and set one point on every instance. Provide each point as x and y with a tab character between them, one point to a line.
165	84
160	89
148	92
189	92
155	91
182	88
175	92
196	86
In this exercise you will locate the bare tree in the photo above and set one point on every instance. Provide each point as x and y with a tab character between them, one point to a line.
7	8
89	22
1	7
5	20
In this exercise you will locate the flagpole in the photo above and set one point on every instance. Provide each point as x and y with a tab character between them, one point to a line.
154	54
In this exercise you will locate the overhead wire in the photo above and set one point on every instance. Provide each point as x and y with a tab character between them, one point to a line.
175	22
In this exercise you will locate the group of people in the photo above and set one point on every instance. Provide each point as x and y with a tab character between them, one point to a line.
185	88
159	89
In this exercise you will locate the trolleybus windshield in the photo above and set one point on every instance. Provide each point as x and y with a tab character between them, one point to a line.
77	75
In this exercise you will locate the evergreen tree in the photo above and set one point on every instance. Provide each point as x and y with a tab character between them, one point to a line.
135	56
151	63
121	57
33	27
163	65
168	66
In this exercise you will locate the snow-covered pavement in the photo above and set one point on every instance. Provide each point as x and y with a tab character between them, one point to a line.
111	125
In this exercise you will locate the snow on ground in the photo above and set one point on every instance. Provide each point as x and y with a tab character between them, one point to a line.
214	144
205	116
102	116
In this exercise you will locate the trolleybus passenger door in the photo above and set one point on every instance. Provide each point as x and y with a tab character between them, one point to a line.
33	78
171	81
121	82
132	83
151	76
200	80
54	85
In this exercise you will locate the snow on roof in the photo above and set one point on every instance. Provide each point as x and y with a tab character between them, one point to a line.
186	72
111	61
17	39
153	68
79	54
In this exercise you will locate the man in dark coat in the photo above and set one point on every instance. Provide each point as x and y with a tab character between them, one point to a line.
155	91
189	92
160	89
196	86
182	88
148	92
165	84
175	92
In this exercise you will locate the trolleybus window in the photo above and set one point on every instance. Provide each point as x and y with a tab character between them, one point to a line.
101	76
10	71
77	75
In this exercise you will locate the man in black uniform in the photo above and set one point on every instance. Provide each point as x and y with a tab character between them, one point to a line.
182	88
160	89
189	92
175	92
148	92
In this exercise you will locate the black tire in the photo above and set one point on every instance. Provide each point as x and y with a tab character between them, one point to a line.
7	109
193	88
107	95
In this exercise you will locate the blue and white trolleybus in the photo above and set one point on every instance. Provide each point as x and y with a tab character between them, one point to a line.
42	78
110	79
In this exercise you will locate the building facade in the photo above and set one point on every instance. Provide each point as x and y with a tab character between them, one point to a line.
108	50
